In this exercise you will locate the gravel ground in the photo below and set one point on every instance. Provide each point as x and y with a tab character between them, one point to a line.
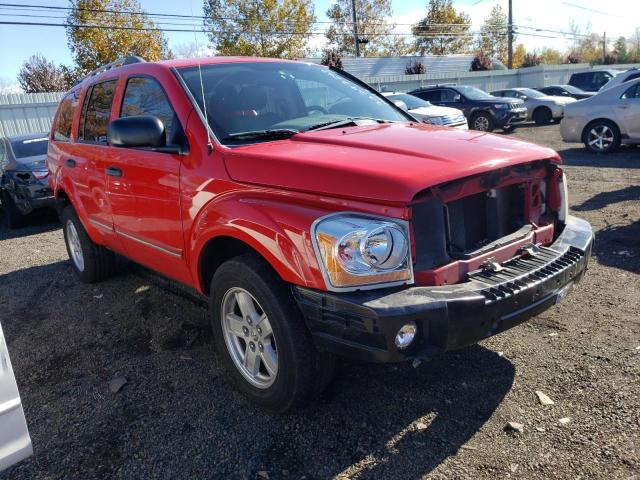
176	418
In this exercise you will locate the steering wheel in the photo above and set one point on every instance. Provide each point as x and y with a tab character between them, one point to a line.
316	108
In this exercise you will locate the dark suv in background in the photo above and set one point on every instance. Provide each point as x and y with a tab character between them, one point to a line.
483	111
593	80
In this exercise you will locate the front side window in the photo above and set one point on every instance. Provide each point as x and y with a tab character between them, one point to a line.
97	112
64	122
448	95
145	96
259	96
633	92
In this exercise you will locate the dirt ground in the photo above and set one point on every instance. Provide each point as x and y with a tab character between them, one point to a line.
177	418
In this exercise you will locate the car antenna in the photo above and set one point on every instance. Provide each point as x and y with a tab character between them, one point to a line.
204	103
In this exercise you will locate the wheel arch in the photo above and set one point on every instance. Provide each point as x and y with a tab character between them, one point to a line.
590	123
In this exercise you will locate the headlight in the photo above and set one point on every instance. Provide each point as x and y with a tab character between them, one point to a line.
501	106
361	251
434	120
563	212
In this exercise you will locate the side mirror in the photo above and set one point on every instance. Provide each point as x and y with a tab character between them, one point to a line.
457	98
524	98
401	105
140	131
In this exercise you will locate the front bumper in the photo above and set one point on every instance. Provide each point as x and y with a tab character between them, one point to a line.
511	117
30	195
363	325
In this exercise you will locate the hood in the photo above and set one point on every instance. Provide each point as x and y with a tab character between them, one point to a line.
557	99
434	111
387	163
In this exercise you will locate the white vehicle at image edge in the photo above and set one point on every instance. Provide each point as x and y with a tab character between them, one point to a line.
541	108
622	77
426	112
606	120
15	443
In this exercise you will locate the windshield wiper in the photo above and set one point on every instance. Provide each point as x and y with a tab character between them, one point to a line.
274	134
343	123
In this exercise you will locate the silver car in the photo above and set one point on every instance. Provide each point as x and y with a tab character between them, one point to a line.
605	121
427	112
541	108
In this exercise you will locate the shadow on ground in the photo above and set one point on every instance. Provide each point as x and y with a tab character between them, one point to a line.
626	157
603	199
177	418
619	246
39	221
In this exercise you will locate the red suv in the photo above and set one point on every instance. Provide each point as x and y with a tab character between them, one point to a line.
318	217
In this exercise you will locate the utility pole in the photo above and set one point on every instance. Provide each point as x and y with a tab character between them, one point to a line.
356	41
604	47
510	37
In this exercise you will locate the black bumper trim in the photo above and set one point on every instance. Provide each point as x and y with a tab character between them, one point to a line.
363	324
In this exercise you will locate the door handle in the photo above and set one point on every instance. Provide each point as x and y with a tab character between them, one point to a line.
623	106
70	163
113	172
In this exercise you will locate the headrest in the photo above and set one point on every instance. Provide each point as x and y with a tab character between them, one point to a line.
252	98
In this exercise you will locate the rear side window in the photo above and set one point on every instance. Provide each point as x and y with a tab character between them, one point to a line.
633	76
429	95
96	112
62	131
633	92
145	96
448	95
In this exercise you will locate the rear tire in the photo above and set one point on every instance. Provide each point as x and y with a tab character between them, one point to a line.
542	116
277	367
91	262
482	122
15	219
601	136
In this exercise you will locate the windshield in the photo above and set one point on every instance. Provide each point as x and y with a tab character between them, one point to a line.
29	147
411	101
263	97
531	93
473	93
572	89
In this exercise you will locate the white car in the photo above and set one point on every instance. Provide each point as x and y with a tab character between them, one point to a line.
15	442
606	120
622	77
427	112
541	108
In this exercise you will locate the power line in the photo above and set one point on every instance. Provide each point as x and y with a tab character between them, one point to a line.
592	10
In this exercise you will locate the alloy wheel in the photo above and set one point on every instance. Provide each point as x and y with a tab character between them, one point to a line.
249	338
600	137
75	248
481	123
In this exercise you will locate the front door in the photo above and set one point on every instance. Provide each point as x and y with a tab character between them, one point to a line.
144	187
628	111
15	443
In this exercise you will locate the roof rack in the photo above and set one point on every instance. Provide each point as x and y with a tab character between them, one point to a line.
121	62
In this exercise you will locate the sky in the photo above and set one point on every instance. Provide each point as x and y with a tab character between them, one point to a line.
616	17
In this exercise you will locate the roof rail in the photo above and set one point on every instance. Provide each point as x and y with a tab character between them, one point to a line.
109	66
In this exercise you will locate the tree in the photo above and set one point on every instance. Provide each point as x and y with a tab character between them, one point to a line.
518	55
493	39
132	34
415	67
620	50
332	59
531	60
38	75
573	57
373	27
444	31
550	56
266	28
191	50
481	62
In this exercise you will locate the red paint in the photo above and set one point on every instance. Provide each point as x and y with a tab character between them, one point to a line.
266	195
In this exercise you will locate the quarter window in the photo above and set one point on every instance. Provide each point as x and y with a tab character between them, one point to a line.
62	131
96	112
145	96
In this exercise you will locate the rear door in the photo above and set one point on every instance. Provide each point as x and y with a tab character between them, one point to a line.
15	443
144	186
628	111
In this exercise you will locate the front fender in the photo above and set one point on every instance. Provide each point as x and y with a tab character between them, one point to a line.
278	230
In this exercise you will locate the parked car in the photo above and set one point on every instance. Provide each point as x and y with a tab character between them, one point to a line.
484	112
605	121
541	108
428	113
318	217
566	91
622	77
23	176
15	442
592	80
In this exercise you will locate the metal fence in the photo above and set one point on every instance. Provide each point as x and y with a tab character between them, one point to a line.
27	112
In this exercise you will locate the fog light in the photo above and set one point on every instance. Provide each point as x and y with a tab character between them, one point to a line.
406	334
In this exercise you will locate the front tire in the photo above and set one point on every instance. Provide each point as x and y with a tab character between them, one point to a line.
482	122
602	136
542	116
91	262
260	337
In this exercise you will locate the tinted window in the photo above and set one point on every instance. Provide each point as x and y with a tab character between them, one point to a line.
144	96
96	112
429	95
447	95
64	122
633	92
633	76
580	79
29	147
411	101
600	78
